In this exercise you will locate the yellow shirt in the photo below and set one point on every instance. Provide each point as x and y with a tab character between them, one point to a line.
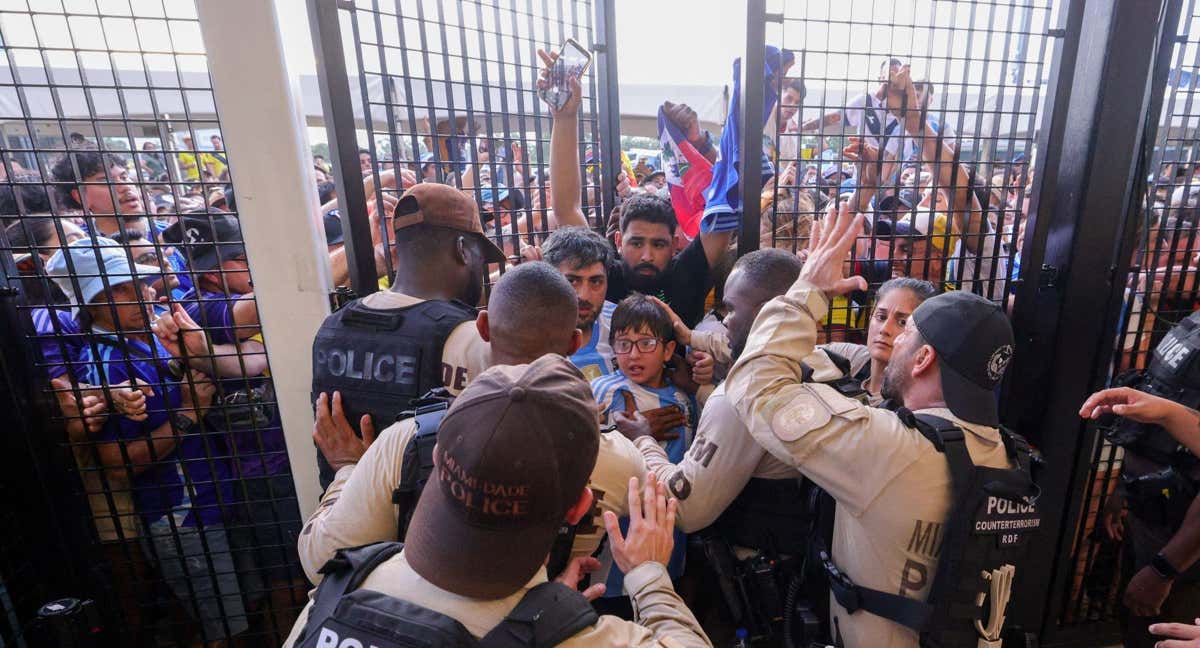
188	167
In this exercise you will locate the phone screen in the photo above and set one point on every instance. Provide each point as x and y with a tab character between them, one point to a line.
572	62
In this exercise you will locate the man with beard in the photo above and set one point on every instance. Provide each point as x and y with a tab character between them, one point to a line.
893	487
647	262
582	255
389	348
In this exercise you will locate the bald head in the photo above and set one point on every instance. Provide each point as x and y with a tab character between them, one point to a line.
532	311
756	279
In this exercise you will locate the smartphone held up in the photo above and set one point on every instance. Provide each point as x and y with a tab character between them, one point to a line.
573	60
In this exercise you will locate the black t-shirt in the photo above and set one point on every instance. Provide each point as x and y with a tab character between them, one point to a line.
683	285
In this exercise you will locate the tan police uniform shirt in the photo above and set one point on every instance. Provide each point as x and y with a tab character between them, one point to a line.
465	354
662	618
723	457
357	507
892	486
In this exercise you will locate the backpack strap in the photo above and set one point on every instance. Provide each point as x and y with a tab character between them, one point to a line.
547	615
950	440
343	574
417	465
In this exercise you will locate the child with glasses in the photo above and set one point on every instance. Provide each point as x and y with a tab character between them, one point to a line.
643	342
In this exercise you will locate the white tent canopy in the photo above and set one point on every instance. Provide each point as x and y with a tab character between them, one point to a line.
996	113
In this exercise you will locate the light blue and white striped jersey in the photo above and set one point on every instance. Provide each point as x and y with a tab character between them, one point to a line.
597	359
610	392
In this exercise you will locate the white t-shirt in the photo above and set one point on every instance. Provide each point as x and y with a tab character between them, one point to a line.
867	116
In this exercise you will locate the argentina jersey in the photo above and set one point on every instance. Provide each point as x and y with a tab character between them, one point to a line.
611	393
596	358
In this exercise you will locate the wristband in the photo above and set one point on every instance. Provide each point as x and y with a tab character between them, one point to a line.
183	423
1163	567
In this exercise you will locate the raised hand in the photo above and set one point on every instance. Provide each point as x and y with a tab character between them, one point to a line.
832	238
651	526
334	436
685	118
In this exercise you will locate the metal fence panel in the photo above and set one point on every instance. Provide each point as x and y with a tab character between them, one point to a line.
1158	292
447	92
978	71
121	235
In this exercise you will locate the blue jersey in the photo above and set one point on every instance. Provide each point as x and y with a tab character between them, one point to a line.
213	311
611	393
190	482
59	338
597	358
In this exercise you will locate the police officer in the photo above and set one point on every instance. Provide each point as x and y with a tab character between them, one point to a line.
893	487
389	348
1160	475
512	462
532	311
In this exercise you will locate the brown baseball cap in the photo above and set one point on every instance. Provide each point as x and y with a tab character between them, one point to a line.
513	454
441	205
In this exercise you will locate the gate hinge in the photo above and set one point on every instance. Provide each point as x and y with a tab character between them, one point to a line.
1056	33
773	18
1048	277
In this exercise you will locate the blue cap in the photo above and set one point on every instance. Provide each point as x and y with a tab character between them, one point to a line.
494	194
95	261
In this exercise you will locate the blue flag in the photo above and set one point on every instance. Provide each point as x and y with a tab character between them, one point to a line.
723	201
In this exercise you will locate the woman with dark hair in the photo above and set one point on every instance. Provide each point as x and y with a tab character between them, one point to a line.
895	301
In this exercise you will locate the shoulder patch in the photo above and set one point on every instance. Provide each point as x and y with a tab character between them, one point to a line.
805	412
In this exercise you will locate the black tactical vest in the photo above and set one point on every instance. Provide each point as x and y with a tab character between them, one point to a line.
993	517
1174	374
344	615
382	360
1160	489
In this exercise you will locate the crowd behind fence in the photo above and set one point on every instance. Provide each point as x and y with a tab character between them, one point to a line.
120	220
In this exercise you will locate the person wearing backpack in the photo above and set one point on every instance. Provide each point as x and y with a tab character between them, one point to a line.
532	311
935	504
512	462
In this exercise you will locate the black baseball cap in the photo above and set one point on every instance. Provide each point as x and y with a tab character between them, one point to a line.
333	228
206	239
974	343
898	202
512	457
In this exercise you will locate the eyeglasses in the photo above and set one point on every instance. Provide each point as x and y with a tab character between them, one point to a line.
645	345
147	258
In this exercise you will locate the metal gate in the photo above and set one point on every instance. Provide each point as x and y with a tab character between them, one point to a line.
1090	268
447	91
147	435
1158	291
978	71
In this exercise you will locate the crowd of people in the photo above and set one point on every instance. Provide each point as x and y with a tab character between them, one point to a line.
631	411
